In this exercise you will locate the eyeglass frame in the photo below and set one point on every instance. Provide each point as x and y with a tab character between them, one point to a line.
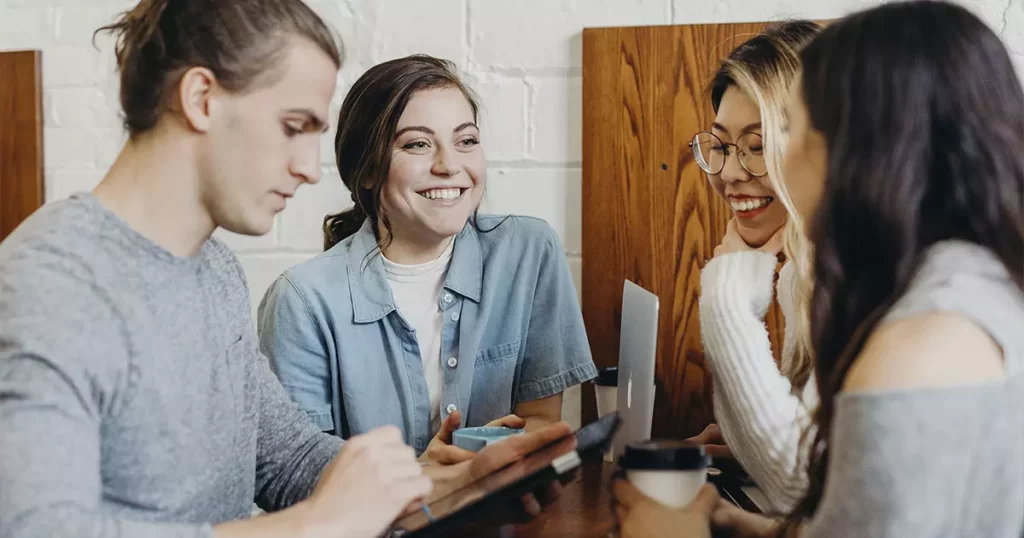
726	160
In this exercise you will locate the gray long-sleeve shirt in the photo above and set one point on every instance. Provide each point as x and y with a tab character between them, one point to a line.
133	398
938	461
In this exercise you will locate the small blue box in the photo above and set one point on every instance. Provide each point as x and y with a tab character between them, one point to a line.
474	439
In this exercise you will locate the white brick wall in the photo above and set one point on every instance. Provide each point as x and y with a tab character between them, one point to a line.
523	57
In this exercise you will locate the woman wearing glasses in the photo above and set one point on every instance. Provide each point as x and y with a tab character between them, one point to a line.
761	408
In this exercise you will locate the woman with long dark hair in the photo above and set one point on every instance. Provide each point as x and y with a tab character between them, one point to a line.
905	159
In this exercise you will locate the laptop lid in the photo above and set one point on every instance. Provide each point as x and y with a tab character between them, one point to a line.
638	344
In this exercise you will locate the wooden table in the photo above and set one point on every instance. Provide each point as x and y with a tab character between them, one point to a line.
584	508
583	511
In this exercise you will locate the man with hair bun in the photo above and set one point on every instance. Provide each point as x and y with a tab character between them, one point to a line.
134	400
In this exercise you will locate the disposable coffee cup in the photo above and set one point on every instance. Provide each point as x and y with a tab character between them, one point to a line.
670	472
606	389
606	386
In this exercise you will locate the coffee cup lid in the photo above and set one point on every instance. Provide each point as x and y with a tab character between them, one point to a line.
664	456
607	376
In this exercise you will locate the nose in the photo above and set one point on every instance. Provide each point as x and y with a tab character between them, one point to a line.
305	164
733	171
446	163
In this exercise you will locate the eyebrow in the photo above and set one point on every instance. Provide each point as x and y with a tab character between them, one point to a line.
746	129
316	123
420	128
429	131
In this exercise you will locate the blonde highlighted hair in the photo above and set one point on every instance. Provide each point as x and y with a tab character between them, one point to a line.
763	68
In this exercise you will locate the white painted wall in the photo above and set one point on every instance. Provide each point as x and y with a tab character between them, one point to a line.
523	57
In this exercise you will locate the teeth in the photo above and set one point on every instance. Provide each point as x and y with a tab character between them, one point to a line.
749	204
441	194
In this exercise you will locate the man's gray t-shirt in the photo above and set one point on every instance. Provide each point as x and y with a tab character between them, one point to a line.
134	400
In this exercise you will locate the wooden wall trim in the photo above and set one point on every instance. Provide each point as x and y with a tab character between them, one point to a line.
21	137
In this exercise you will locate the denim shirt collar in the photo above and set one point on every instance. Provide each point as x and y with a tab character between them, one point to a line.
368	284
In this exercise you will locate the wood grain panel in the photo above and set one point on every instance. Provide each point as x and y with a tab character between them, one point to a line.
649	214
21	138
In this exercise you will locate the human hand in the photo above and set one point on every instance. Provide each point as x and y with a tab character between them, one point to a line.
499	455
735	522
640	516
440	450
379	462
733	242
714	442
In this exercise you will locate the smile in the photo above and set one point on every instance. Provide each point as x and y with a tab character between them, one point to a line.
442	194
749	204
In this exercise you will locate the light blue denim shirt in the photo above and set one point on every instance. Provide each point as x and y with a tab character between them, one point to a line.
512	324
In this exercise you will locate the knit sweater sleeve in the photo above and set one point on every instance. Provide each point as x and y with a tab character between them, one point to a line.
760	417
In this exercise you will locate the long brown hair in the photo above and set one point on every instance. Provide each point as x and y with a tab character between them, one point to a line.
763	68
240	41
923	117
366	131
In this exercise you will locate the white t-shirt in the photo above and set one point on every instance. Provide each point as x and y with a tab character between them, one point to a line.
417	293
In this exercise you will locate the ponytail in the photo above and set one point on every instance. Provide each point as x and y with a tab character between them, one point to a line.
341	225
137	29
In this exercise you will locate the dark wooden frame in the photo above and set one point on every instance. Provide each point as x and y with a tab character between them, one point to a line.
21	137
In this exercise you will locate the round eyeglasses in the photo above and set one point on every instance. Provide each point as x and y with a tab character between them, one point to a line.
711	153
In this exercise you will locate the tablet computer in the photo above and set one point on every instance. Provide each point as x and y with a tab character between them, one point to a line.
555	461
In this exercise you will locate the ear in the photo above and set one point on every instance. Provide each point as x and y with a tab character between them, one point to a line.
195	91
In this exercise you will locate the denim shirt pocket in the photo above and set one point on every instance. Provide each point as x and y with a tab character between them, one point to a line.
493	382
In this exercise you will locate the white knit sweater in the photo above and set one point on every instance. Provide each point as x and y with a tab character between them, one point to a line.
760	417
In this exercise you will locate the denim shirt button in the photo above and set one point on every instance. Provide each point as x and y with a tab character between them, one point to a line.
453	362
455	316
451	408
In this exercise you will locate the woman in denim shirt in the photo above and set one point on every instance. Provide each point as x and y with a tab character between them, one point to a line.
421	313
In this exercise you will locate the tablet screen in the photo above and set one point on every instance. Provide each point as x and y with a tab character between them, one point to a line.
540	467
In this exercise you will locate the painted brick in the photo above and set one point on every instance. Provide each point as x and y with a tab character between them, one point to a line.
249	243
556	119
546	34
302	222
79	108
554	195
393	29
109	143
262	269
69	148
502	116
1012	26
63	183
74	24
23	27
75	66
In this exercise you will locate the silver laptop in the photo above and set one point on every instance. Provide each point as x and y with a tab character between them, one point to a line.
638	345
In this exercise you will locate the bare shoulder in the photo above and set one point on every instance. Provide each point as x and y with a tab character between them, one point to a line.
930	350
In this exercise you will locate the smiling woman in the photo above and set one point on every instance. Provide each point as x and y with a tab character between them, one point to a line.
420	312
761	407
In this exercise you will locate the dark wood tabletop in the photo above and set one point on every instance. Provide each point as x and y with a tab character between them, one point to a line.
583	510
